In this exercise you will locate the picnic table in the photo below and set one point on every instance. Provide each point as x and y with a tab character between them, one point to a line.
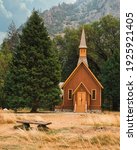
40	124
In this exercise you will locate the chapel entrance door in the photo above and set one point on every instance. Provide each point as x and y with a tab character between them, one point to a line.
81	102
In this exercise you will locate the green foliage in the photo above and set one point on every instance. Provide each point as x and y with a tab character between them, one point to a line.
34	71
5	58
102	40
7	48
13	37
68	51
111	80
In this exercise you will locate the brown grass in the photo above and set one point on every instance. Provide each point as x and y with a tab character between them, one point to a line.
7	117
68	131
102	120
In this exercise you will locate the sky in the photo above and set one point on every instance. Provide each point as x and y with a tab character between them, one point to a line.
20	10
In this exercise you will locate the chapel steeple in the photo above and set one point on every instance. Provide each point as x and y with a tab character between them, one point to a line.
83	49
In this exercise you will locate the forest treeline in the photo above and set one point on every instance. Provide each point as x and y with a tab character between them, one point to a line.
32	64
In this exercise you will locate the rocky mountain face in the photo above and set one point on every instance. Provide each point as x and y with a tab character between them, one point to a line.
81	12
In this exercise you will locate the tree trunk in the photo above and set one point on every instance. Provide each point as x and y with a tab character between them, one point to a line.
52	108
34	109
35	106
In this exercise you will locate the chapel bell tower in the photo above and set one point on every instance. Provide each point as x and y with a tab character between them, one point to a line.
83	49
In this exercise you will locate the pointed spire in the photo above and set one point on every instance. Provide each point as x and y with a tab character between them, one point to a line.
83	40
83	49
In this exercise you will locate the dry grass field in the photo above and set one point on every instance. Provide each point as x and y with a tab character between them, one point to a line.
68	131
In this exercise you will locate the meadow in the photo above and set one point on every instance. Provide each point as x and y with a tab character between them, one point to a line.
68	131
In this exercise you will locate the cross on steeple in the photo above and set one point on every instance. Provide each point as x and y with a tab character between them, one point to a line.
83	49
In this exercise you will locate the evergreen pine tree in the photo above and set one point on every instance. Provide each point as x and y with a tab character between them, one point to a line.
6	49
13	37
111	80
34	71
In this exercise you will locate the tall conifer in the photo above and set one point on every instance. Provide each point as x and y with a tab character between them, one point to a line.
35	71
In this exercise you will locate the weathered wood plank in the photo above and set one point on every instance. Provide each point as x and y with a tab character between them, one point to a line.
33	122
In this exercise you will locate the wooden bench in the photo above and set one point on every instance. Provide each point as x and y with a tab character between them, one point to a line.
41	125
